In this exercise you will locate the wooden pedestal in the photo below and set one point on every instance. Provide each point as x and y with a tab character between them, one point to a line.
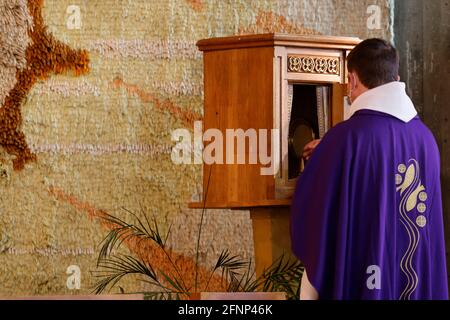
271	235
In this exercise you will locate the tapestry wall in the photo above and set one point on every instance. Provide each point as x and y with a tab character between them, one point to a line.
90	92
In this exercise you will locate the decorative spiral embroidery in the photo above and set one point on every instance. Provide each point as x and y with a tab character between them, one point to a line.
411	189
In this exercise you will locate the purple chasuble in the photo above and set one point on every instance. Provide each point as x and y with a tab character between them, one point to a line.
366	216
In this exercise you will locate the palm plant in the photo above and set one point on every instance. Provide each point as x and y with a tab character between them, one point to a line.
236	274
177	278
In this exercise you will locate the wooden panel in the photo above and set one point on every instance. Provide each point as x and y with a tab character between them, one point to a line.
337	98
314	64
238	95
262	239
315	76
242	204
271	236
246	88
277	39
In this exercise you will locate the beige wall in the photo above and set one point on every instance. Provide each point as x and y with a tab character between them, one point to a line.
103	140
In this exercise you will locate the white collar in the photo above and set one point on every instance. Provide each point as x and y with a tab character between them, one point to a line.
390	98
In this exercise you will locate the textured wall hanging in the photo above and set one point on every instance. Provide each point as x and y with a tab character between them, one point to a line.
29	53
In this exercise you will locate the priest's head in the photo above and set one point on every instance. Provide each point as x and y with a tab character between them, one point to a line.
372	63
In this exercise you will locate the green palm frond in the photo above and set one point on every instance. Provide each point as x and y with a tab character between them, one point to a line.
114	268
227	263
248	284
284	275
142	230
175	283
124	230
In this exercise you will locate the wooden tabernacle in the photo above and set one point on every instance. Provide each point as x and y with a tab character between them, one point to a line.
246	85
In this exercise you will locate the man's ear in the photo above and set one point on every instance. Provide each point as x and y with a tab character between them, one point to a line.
398	78
354	80
351	80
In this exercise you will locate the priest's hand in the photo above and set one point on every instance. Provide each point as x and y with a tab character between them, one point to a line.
309	149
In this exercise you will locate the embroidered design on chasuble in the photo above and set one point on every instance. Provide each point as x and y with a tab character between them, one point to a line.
412	209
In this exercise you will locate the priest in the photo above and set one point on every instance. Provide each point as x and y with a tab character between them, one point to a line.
366	216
